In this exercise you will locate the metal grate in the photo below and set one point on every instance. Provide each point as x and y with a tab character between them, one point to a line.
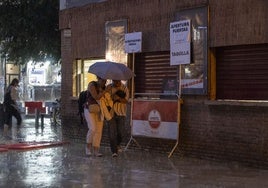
151	69
242	72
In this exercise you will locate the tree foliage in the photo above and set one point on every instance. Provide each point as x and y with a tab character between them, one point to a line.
29	30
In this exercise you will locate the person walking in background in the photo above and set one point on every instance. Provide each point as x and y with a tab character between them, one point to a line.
120	96
11	107
93	116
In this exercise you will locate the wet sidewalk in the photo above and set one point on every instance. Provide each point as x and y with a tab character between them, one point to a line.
67	166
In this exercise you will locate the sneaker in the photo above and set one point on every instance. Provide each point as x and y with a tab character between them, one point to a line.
98	154
114	155
88	152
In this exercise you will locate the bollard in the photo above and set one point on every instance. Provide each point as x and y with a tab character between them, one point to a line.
42	121
36	118
26	110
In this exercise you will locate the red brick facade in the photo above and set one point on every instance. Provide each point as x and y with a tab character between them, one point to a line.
209	129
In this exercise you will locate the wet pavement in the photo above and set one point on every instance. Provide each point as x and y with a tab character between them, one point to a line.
67	166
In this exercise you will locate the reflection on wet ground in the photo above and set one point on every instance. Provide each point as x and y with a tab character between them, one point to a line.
30	132
67	166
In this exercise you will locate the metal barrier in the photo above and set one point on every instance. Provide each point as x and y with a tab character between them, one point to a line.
155	115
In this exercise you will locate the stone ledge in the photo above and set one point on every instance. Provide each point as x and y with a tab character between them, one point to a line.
236	103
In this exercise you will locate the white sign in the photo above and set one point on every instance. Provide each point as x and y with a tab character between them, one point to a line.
133	42
180	42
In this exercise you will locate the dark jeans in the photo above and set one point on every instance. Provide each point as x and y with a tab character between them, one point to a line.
10	111
115	131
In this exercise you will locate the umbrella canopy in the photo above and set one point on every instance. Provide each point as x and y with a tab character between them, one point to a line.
111	70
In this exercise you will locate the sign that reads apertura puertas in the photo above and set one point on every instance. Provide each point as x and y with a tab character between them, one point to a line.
180	42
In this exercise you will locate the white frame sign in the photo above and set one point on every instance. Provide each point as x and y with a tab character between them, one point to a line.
133	42
180	42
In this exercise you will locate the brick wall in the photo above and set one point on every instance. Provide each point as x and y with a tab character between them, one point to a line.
237	22
220	131
225	131
153	19
217	130
231	22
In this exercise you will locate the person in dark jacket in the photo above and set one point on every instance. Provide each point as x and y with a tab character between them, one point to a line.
120	96
11	107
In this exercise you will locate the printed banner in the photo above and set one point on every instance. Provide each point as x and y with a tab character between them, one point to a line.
156	119
192	83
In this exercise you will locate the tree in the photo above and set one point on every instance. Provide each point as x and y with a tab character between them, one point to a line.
29	30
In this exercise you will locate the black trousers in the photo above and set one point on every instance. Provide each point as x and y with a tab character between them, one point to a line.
115	131
10	111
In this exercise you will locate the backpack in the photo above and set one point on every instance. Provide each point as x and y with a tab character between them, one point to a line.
82	99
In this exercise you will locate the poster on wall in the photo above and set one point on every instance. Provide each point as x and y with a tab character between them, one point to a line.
194	75
169	86
115	41
180	42
156	119
192	83
37	76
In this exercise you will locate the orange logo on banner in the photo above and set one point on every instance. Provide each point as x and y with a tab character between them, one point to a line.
154	119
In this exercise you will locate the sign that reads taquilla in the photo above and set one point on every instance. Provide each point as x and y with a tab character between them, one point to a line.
180	42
